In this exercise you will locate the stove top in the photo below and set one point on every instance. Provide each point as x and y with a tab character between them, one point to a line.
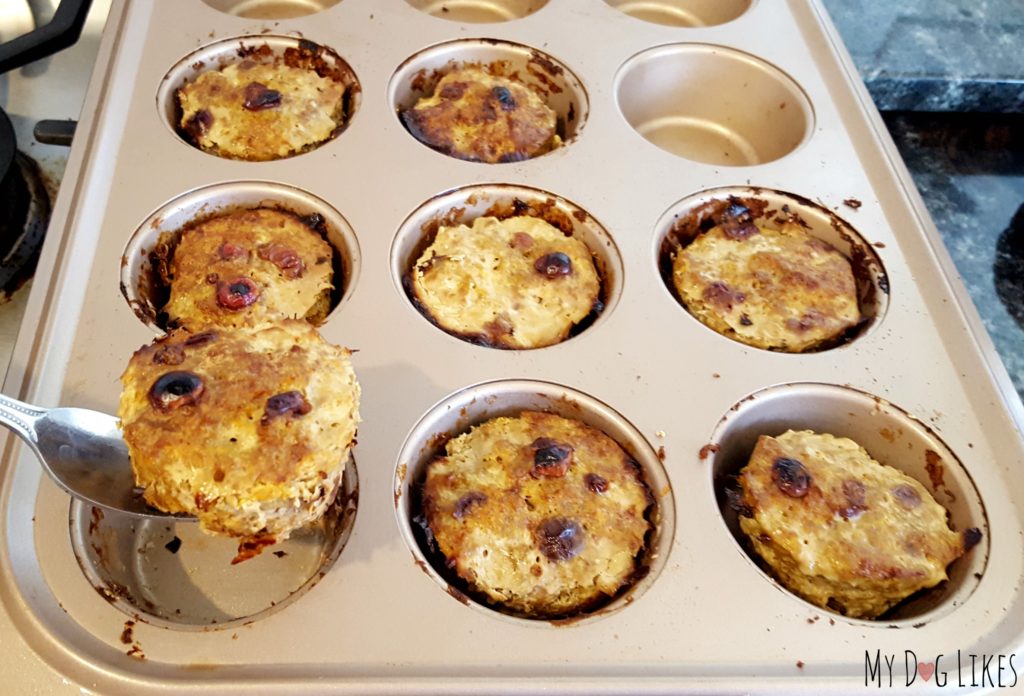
51	88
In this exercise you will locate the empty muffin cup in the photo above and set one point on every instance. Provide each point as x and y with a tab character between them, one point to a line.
547	77
459	412
463	206
262	135
271	9
892	437
713	104
685	221
169	573
478	11
152	245
683	13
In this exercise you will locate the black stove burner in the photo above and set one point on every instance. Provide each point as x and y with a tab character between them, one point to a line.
24	212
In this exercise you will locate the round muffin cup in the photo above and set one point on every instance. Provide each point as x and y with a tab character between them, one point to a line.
892	437
554	81
683	13
271	9
222	53
478	11
168	573
146	293
687	219
713	104
459	412
464	205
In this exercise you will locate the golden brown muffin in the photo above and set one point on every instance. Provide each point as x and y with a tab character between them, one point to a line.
780	289
513	283
248	267
264	108
477	116
543	515
838	528
248	429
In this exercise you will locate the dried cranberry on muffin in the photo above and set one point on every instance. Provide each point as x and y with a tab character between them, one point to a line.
248	267
513	283
474	115
840	529
780	289
265	107
543	516
248	429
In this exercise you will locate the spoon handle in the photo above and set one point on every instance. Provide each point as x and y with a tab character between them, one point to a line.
20	418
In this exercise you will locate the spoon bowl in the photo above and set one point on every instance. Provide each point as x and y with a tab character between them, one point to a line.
83	451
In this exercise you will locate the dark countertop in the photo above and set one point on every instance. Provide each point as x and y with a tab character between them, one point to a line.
937	55
923	61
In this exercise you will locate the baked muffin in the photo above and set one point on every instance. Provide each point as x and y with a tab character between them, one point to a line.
780	289
542	515
513	283
248	267
265	107
476	116
248	429
841	530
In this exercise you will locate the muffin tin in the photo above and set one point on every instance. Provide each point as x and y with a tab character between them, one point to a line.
755	99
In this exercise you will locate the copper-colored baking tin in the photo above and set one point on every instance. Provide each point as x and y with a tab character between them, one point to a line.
478	11
271	9
683	13
707	618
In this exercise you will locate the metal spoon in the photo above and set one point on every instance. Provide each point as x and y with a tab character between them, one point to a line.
82	451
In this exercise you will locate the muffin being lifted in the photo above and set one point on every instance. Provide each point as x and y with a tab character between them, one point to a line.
247	267
474	115
513	283
249	430
543	515
841	530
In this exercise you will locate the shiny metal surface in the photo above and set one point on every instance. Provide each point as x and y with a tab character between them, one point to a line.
707	620
82	450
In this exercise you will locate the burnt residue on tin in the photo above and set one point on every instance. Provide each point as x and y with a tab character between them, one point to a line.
153	287
741	209
545	208
303	55
937	474
126	633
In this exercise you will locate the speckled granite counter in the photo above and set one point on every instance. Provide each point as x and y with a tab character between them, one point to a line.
948	56
937	55
970	171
